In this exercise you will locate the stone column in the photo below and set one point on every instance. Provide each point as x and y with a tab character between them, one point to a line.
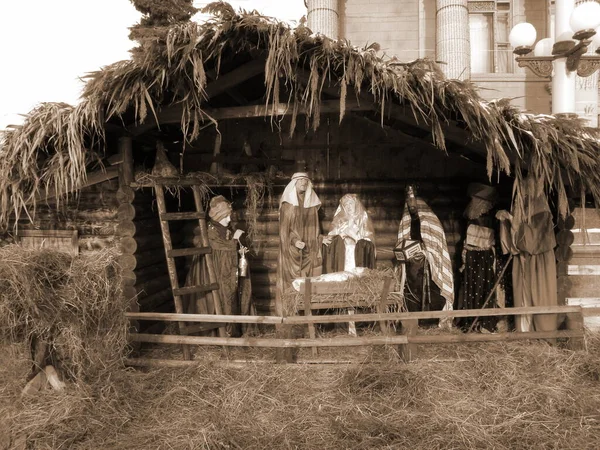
452	39
323	17
586	92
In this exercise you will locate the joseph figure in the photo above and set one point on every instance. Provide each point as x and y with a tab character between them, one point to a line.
299	232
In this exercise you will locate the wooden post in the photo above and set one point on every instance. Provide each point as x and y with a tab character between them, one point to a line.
308	312
382	305
409	328
125	215
575	323
126	167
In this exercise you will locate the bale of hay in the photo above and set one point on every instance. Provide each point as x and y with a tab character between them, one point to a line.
72	304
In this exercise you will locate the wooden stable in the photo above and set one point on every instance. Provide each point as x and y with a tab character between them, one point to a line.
268	101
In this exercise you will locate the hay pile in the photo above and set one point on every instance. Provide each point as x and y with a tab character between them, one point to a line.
72	303
365	291
513	396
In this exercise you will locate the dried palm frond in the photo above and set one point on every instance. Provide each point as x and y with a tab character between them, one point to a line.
52	149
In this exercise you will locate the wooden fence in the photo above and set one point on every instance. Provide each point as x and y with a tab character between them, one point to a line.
406	340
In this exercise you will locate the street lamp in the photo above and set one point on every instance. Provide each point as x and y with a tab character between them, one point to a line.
575	29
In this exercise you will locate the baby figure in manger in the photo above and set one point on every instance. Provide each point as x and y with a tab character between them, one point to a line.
350	242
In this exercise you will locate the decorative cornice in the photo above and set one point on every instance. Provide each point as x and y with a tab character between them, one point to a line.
481	6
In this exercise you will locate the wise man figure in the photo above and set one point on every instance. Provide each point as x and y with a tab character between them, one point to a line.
299	231
531	240
427	272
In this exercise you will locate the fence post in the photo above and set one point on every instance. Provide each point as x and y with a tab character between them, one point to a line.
575	323
409	328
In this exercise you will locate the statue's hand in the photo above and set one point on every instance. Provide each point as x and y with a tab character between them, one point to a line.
300	245
327	240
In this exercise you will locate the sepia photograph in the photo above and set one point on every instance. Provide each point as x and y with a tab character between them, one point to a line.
300	224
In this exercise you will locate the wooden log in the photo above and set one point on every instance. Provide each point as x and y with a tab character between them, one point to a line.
174	317
125	194
89	243
125	228
147	226
127	262
270	343
150	241
129	278
125	212
152	286
149	272
128	245
150	257
154	301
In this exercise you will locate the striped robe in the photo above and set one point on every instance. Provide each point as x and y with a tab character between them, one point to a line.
436	249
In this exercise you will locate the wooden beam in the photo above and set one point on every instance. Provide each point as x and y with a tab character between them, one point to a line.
229	80
92	178
172	114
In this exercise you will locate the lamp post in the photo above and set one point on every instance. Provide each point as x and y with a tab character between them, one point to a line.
575	29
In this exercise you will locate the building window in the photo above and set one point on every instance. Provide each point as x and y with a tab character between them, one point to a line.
489	25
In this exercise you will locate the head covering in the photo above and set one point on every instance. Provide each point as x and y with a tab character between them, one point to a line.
290	194
436	248
219	208
354	222
483	198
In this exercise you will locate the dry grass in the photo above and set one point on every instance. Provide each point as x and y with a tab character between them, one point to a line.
501	396
72	303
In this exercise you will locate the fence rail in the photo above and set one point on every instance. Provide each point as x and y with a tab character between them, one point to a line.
370	317
406	340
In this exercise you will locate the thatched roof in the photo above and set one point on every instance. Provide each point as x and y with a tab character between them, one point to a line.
57	143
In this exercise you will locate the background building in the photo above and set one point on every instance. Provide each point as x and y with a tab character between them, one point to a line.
470	38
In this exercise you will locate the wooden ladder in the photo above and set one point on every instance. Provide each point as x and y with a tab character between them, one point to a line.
204	251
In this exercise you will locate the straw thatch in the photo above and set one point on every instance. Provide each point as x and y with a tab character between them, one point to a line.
53	147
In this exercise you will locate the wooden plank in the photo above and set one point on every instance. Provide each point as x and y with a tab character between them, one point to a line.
192	251
495	337
488	312
192	215
174	317
164	226
270	343
196	289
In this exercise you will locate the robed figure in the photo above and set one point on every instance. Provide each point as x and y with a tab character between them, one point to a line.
351	240
531	240
227	244
299	231
479	260
426	277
